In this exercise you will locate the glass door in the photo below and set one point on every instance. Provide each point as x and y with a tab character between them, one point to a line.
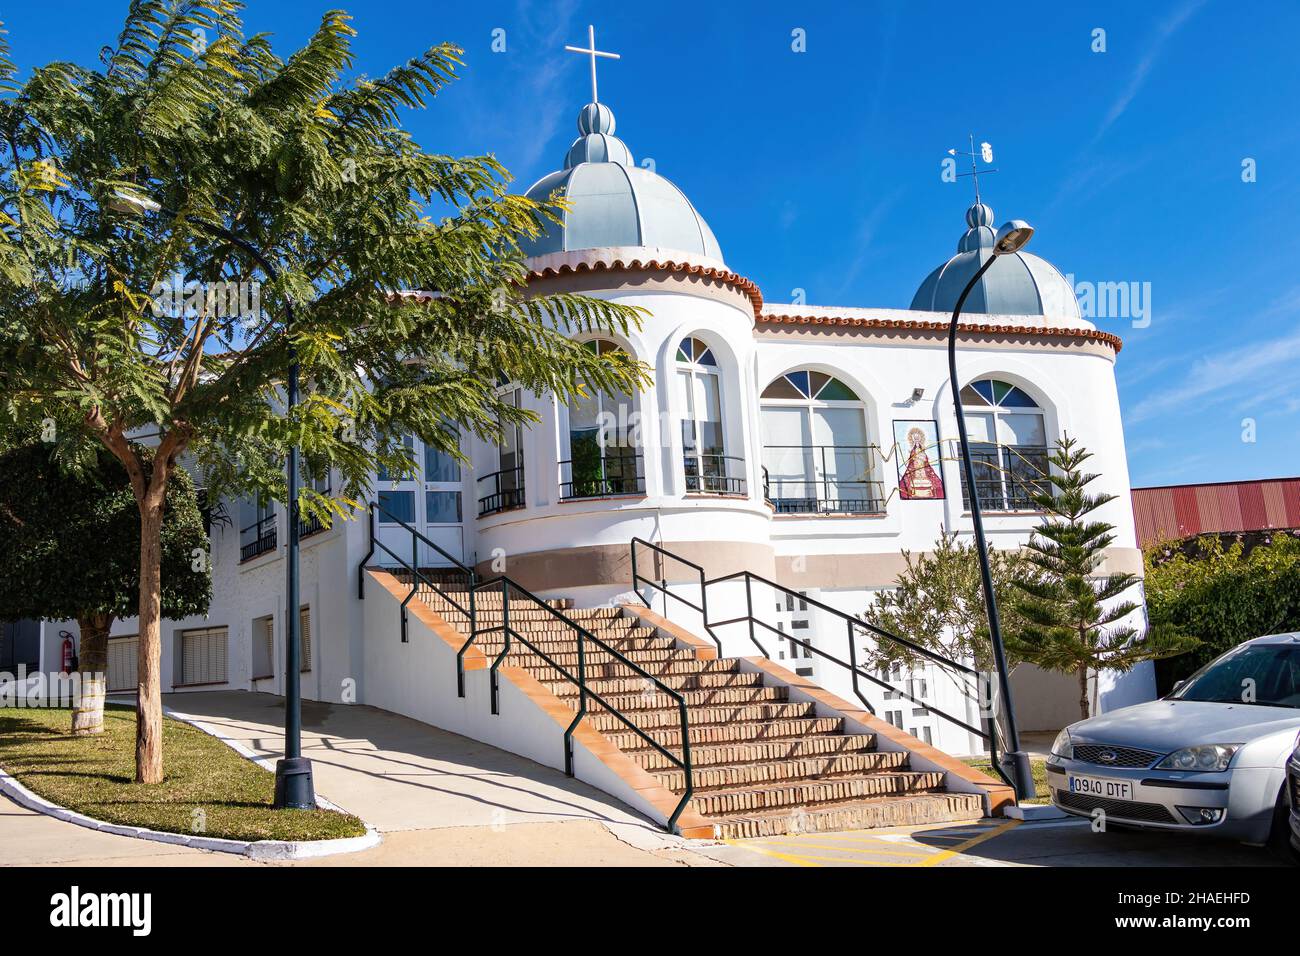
443	511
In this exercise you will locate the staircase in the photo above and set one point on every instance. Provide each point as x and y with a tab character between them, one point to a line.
764	764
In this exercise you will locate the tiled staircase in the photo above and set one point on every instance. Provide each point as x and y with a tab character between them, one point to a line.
764	764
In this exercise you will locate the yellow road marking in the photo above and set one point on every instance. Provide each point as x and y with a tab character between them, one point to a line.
973	841
845	849
789	858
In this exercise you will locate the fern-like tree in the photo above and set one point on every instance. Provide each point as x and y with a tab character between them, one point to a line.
309	165
1070	616
70	541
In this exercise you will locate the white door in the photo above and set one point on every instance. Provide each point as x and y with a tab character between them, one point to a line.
443	511
428	501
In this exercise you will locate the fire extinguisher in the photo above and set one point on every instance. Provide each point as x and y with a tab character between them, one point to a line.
69	653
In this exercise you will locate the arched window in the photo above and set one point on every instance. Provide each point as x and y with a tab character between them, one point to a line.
603	459
1008	443
705	462
816	458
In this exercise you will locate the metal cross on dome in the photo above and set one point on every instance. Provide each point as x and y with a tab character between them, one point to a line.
593	53
985	153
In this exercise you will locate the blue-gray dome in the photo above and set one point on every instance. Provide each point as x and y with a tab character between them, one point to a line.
614	202
1023	284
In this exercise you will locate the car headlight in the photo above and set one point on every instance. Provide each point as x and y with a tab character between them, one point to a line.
1206	757
1063	746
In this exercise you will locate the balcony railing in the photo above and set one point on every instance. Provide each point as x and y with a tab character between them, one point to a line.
822	479
619	471
1006	476
310	525
257	538
714	474
501	491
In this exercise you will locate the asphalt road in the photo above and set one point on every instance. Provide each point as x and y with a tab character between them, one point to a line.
993	843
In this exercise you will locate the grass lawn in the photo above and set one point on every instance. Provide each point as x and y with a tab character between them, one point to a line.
1037	764
95	776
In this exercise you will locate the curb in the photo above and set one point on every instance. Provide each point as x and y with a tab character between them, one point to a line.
259	850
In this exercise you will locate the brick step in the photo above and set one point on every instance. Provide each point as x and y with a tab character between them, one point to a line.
593	657
533	614
739	732
566	634
762	751
636	685
859	815
614	669
760	772
718	696
815	793
668	715
627	646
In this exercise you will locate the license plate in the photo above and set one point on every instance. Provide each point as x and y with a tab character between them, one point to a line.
1101	787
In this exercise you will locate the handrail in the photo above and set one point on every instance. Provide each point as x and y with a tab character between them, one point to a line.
990	735
580	680
417	577
662	586
501	499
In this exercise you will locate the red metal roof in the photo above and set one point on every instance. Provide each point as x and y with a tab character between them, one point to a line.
1180	511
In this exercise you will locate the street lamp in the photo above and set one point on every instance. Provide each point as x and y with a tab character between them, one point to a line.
294	788
1010	238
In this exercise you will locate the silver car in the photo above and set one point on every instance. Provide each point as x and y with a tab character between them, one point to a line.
1211	757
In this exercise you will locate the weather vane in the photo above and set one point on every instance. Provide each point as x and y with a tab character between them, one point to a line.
592	52
985	154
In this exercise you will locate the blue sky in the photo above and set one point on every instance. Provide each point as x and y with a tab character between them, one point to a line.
821	170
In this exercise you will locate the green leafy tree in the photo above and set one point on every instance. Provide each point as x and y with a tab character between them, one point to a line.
70	542
1071	617
1220	595
938	602
310	166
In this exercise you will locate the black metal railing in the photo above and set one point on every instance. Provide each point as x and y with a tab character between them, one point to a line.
436	581
618	471
821	479
310	525
417	571
504	491
584	640
989	734
1006	476
714	474
262	540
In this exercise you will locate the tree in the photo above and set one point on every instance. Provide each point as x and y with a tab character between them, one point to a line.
315	172
938	603
70	543
1222	595
1071	616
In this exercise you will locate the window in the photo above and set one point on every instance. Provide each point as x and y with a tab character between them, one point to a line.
603	459
503	489
396	506
309	525
263	647
304	638
122	661
256	527
816	459
1008	445
705	462
442	507
203	656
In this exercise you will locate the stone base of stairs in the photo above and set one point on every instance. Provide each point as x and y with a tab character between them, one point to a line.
864	815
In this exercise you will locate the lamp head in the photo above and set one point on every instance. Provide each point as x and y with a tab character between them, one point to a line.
1012	237
131	204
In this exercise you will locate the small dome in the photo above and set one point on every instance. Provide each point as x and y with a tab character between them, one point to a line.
614	202
1022	285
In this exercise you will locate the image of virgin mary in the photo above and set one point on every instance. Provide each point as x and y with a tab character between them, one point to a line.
919	480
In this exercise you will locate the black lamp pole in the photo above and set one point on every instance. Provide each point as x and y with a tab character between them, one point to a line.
294	789
1015	759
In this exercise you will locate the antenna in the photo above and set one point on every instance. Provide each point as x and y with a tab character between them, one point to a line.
985	155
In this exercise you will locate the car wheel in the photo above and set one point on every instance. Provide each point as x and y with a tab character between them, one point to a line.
1279	838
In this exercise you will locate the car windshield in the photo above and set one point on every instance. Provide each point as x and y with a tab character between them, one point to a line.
1267	674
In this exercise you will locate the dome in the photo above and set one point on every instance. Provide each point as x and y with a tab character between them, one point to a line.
614	202
1023	284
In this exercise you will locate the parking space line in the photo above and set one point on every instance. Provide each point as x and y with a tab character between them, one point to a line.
949	853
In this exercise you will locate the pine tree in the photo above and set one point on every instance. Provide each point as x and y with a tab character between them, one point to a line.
1070	617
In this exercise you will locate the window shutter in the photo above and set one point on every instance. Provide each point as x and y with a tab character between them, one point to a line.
122	663
304	641
203	656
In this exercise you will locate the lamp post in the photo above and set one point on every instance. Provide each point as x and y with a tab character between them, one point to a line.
1010	238
294	787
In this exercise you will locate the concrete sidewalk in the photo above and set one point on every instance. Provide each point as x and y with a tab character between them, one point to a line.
405	777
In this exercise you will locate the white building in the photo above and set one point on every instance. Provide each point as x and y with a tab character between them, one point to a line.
775	439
